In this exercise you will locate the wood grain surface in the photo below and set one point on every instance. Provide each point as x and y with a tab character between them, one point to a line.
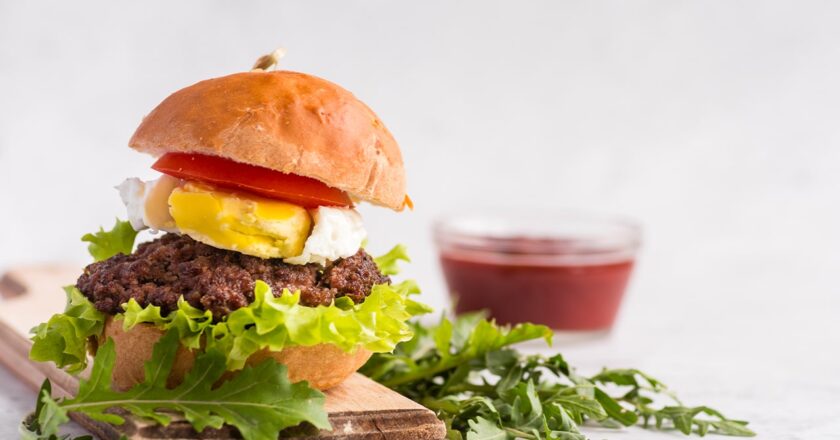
358	409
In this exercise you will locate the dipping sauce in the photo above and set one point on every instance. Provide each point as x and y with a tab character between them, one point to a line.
567	271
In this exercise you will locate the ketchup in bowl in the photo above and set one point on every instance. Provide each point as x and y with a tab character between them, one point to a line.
567	270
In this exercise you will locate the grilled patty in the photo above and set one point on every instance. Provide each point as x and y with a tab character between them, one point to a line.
221	281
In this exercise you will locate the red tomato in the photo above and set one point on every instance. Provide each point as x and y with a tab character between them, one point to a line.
303	191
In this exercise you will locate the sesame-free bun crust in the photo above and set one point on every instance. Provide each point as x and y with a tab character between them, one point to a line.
286	121
323	366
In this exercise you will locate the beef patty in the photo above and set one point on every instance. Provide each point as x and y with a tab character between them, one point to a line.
161	271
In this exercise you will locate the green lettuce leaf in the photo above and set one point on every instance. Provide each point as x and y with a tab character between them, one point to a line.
105	244
259	401
388	263
189	322
64	338
378	324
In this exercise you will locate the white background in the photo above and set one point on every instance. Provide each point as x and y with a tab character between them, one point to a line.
715	123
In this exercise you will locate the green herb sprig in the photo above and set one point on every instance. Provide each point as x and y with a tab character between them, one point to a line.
466	371
43	423
258	401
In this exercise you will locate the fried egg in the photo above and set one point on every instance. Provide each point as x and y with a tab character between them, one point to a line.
246	223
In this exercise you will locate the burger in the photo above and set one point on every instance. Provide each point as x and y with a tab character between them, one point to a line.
257	250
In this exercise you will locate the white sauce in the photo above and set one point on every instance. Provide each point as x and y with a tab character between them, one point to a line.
338	233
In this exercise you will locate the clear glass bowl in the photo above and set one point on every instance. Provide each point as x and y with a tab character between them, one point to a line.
567	270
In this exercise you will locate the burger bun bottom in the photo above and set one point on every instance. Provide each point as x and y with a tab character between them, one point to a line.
323	366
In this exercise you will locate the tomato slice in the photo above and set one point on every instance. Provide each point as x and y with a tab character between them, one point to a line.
303	191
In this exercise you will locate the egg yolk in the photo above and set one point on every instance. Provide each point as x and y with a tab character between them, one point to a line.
251	225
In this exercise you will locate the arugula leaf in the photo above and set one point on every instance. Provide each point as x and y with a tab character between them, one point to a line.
614	409
640	397
482	388
64	338
105	244
259	401
388	263
485	337
580	407
484	429
46	415
30	427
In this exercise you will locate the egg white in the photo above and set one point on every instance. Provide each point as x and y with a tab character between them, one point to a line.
338	233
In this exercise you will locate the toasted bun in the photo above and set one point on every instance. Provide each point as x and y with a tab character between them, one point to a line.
323	366
285	121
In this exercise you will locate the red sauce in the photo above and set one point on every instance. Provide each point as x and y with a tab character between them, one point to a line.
563	293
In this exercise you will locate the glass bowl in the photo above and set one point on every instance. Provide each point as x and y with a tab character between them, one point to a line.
567	270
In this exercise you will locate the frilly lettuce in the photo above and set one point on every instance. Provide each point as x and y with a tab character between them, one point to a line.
388	263
189	322
64	338
377	324
105	244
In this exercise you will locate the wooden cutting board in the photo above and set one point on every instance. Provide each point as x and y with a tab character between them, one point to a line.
358	409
